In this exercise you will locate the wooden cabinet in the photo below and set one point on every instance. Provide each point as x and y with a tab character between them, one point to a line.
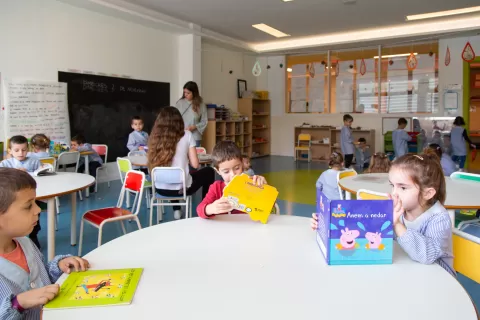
258	111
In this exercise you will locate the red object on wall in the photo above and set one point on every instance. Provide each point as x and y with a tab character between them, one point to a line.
468	54
447	56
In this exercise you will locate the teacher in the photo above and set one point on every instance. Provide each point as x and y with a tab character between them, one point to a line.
193	111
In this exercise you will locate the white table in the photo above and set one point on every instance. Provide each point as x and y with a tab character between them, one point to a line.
233	268
142	161
63	183
461	194
85	155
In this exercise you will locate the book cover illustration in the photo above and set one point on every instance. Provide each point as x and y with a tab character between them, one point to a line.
247	197
97	288
355	231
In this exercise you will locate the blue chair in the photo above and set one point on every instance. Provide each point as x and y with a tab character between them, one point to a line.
169	175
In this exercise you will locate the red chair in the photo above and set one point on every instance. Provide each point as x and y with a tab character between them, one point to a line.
102	150
133	183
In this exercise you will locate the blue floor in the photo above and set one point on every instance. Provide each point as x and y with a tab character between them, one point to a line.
109	196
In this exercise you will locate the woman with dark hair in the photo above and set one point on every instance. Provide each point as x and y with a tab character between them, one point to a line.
193	111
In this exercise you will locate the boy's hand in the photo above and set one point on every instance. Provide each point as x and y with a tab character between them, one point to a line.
314	222
259	180
79	264
220	206
141	148
37	297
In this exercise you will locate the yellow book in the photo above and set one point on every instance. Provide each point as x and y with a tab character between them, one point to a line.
245	196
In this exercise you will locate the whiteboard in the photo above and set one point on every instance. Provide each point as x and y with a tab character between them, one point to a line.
33	107
391	123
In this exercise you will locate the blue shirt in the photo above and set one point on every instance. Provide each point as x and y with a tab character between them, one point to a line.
15	280
29	164
39	155
327	183
346	141
400	138
428	238
92	157
137	139
458	141
448	165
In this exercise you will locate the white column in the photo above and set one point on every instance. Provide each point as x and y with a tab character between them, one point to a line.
189	61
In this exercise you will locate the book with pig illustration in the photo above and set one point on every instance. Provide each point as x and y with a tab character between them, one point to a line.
355	231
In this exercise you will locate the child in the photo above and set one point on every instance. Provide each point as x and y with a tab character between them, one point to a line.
227	160
421	223
346	140
25	281
446	161
247	168
170	145
362	154
40	144
19	160
138	139
94	160
400	138
458	136
379	163
327	182
447	145
437	138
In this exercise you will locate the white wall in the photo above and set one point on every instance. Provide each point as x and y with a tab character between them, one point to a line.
218	85
453	73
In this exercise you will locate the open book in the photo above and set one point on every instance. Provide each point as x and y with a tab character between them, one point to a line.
45	170
95	288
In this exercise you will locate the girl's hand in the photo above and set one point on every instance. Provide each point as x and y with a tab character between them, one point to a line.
398	210
79	264
314	222
219	206
259	180
191	128
37	297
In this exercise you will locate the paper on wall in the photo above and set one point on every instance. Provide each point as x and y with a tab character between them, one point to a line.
298	106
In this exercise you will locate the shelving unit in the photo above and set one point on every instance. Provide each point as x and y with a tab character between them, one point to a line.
258	111
238	131
325	140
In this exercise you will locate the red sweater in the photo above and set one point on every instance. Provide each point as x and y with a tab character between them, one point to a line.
215	192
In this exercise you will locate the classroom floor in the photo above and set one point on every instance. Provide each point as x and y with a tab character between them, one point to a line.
294	180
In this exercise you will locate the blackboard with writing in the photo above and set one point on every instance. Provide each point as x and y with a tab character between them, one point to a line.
101	107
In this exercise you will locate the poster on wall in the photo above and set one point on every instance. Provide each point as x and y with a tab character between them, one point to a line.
316	87
468	54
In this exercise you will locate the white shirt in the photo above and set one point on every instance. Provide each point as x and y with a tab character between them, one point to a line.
180	159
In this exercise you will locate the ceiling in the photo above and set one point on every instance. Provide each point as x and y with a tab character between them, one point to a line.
299	18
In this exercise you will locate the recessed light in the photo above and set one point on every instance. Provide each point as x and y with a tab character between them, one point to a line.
442	13
396	55
287	0
289	70
272	31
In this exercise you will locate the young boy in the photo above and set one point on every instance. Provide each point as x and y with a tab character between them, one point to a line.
138	139
346	141
94	160
247	167
227	161
400	138
363	154
18	150
25	281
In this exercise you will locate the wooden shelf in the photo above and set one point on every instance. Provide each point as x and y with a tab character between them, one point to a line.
260	128
261	114
261	142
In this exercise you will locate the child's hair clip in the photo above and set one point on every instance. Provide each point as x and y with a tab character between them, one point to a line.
416	155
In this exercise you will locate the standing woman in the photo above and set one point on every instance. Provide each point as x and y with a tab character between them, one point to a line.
193	111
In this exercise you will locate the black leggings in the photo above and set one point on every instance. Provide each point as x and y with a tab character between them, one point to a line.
348	160
202	178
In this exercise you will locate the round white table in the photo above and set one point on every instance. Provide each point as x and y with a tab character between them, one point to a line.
461	194
60	184
142	161
233	268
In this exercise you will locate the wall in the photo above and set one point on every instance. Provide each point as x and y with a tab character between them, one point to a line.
39	38
218	85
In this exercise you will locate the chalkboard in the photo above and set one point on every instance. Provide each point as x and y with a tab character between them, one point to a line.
101	107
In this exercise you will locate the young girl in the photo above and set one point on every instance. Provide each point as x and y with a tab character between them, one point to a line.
170	145
458	136
327	182
40	144
446	161
379	163
247	166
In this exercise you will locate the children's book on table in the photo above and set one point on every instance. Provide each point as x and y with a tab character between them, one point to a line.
96	288
355	231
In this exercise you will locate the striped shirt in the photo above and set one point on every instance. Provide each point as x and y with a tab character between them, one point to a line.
400	140
137	139
428	238
29	164
346	141
91	157
14	280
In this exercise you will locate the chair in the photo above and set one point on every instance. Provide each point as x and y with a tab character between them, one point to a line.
470	177
124	166
137	153
52	162
341	175
201	150
276	209
170	175
363	194
67	158
102	150
303	139
133	183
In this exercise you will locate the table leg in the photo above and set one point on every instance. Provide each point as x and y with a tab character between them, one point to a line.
451	213
73	222
87	171
51	228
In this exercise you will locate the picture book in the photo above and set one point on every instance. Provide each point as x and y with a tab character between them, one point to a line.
355	231
247	197
95	288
